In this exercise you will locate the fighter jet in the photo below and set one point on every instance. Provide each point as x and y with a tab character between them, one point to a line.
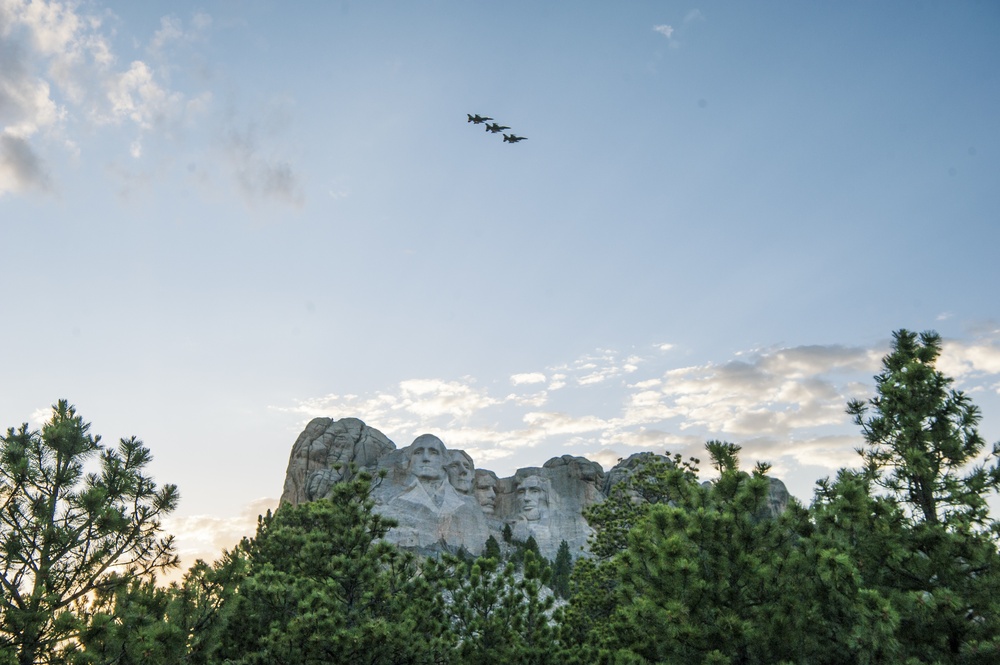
477	119
511	138
495	127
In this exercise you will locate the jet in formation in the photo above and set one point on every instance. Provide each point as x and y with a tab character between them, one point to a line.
494	128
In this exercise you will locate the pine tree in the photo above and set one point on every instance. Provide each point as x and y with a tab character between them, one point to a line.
923	452
323	586
499	616
562	568
492	549
66	534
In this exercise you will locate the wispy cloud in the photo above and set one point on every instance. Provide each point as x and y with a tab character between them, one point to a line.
261	173
58	72
694	15
785	405
61	79
665	30
173	30
783	394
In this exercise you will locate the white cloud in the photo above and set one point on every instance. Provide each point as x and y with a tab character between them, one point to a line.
694	15
136	95
554	423
60	77
528	378
430	398
170	30
55	51
665	30
967	359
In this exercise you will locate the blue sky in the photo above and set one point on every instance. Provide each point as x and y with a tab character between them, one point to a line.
220	219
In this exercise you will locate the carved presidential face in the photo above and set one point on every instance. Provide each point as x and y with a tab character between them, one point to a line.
485	492
460	471
426	457
534	498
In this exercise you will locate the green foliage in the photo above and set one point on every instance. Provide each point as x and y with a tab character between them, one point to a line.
323	587
703	580
139	623
562	568
66	534
654	480
508	534
492	549
933	552
128	624
921	437
855	535
498	616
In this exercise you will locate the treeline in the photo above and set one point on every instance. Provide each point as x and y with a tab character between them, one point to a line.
893	562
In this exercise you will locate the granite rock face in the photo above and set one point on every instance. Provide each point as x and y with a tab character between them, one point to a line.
324	452
443	503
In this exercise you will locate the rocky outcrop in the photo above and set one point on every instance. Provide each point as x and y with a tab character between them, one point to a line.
443	503
324	454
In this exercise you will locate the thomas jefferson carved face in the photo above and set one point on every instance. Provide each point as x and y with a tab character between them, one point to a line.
460	471
534	498
426	457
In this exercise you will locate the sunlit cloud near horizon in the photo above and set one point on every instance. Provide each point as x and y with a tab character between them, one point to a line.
784	405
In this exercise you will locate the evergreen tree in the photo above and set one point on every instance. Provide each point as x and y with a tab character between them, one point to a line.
704	580
594	582
140	623
66	534
531	545
939	565
562	568
492	549
324	587
499	616
507	534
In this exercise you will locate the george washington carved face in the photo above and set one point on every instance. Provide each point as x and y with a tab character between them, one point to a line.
426	457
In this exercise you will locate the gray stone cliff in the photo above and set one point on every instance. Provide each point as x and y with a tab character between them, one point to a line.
442	502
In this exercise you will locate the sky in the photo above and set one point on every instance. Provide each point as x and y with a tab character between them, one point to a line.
221	219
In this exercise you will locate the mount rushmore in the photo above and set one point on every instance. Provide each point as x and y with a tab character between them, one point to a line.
442	502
